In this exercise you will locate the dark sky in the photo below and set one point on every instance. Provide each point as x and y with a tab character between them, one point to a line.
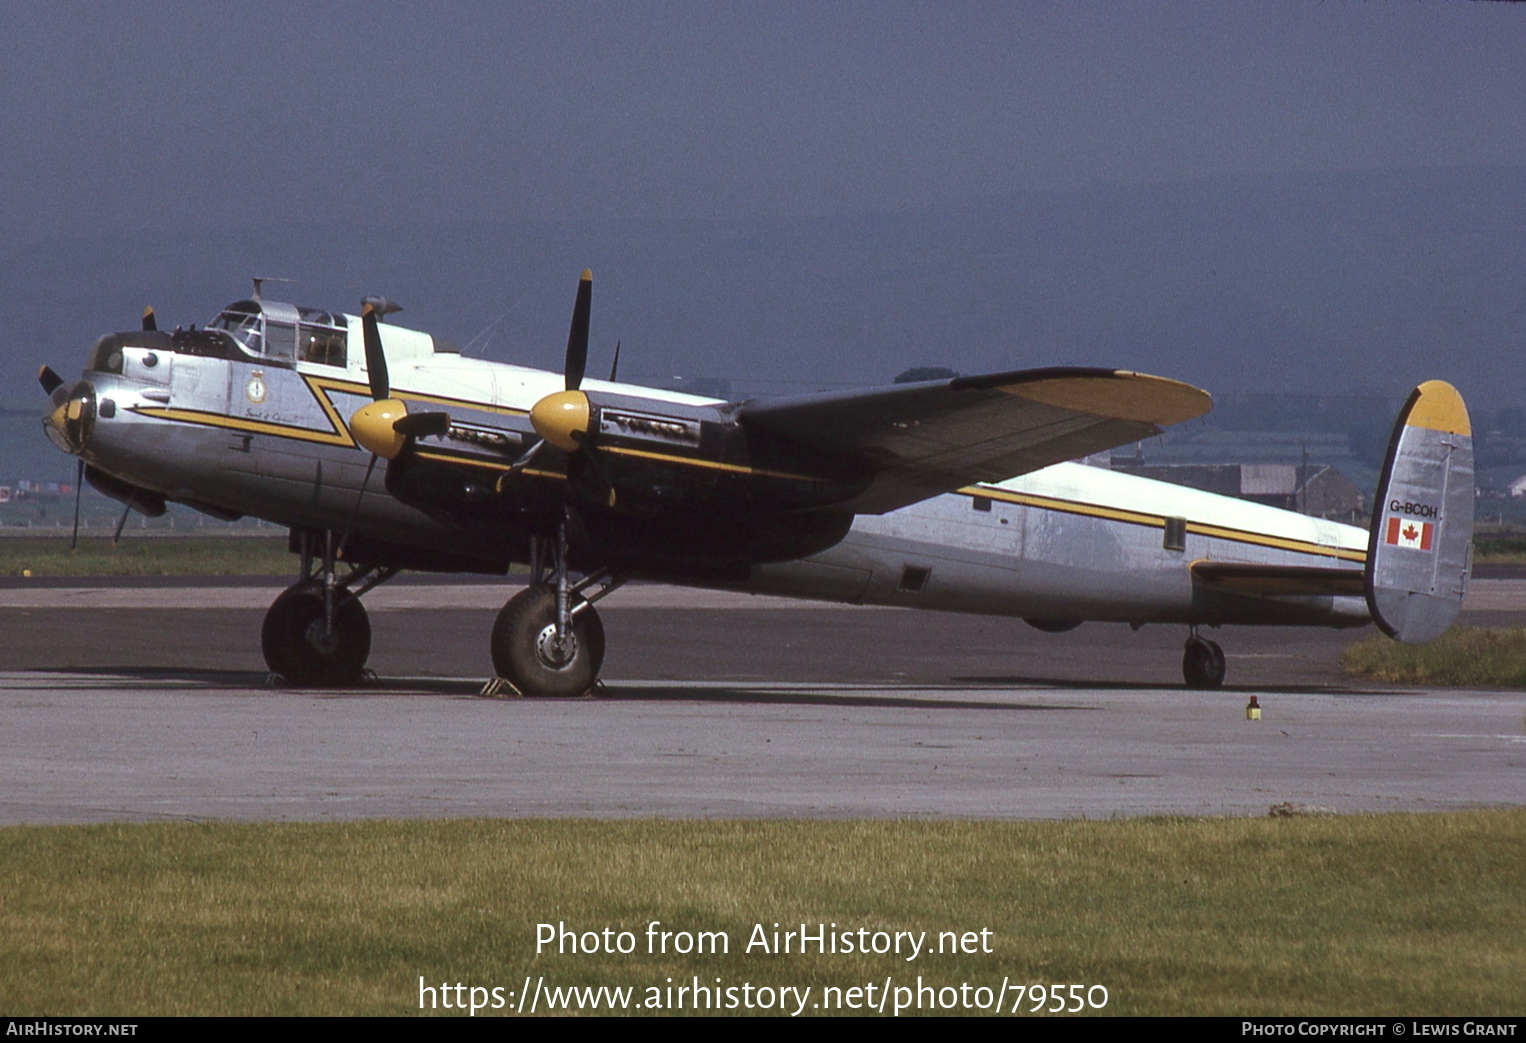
187	115
1291	197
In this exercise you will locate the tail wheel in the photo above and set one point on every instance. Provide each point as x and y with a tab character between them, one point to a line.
1203	663
527	654
301	649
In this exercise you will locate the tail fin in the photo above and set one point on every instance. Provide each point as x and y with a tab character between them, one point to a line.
1420	550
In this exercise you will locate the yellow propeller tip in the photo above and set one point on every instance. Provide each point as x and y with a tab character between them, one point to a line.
587	275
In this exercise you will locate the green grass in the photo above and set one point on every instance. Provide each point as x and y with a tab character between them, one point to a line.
147	556
1502	548
1414	914
1462	657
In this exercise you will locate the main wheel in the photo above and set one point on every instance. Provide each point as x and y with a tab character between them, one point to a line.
296	645
527	654
1203	663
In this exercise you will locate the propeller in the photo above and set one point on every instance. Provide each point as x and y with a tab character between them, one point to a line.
79	482
565	418
384	425
376	356
149	322
116	537
577	334
71	408
55	420
372	424
562	418
526	456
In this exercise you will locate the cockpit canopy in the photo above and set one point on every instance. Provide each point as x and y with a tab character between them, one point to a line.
270	332
285	332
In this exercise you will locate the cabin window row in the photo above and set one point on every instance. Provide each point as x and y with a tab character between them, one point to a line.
321	340
305	343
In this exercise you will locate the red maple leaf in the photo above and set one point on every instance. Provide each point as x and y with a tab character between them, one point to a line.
1411	532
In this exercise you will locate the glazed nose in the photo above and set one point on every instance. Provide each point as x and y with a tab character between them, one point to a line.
71	416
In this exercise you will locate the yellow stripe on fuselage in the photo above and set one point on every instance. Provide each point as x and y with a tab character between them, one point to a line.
713	465
487	465
340	436
1263	539
1158	521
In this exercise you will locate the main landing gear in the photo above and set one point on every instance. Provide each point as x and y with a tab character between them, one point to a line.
317	633
549	641
1202	662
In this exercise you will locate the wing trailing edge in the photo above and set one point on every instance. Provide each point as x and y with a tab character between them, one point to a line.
923	439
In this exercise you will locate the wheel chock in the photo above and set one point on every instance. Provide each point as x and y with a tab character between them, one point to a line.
500	688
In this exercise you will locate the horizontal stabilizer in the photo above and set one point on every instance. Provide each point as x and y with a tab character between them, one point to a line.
1418	553
1279	580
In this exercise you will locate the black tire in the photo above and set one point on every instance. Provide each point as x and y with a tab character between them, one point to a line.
519	644
1203	664
295	647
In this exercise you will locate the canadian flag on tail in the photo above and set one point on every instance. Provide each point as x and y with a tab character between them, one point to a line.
1403	533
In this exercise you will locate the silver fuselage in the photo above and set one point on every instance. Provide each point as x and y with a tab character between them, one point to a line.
1073	542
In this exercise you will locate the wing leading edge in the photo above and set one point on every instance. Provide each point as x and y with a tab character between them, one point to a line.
933	437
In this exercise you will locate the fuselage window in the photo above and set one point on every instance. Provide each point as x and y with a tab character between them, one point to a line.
280	341
324	346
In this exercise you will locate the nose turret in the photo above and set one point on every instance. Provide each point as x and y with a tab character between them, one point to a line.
70	416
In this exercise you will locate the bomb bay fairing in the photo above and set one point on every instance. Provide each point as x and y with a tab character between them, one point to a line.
383	448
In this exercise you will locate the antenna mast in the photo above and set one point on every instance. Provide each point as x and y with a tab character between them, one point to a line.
258	280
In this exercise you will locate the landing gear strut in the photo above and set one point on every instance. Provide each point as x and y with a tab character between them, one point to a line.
1202	662
317	633
548	641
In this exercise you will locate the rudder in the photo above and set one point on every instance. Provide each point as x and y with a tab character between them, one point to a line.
1419	551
